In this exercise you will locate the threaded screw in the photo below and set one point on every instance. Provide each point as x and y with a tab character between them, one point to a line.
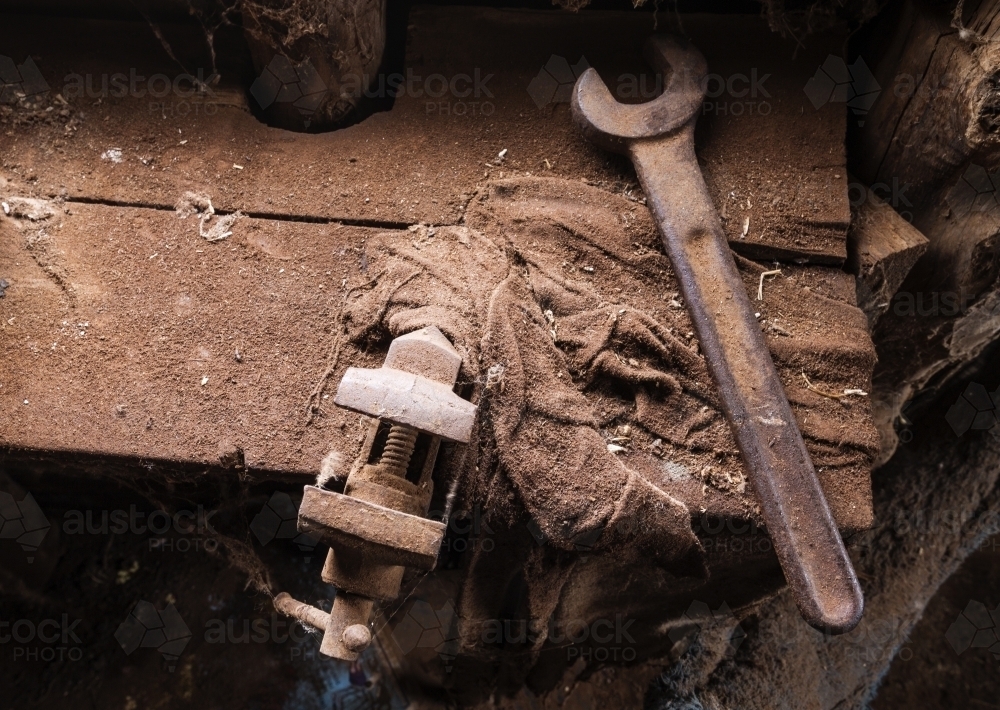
399	446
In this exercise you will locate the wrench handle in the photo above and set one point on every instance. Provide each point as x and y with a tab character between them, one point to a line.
798	519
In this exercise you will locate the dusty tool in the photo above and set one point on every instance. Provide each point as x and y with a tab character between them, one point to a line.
659	138
377	526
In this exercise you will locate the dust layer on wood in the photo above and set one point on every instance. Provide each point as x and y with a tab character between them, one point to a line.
774	162
241	340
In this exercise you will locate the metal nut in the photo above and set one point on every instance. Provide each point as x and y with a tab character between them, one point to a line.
356	637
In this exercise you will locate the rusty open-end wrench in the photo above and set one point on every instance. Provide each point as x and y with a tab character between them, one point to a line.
659	138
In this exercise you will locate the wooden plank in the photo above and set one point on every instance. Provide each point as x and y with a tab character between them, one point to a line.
121	326
773	162
133	354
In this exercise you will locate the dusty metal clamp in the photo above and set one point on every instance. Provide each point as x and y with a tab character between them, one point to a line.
659	138
377	526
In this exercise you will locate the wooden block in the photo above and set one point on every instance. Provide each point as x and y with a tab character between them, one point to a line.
933	132
883	249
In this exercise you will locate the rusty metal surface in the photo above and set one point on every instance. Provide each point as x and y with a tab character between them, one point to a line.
388	536
305	613
405	398
659	138
377	526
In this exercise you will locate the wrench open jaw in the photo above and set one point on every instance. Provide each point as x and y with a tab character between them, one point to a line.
614	126
659	138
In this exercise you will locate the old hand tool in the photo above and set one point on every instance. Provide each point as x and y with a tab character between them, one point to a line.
659	138
377	526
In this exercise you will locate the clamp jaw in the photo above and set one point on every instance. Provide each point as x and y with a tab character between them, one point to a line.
377	526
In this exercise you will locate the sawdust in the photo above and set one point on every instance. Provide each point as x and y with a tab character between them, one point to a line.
42	109
200	204
31	217
42	248
332	469
193	203
220	229
27	208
